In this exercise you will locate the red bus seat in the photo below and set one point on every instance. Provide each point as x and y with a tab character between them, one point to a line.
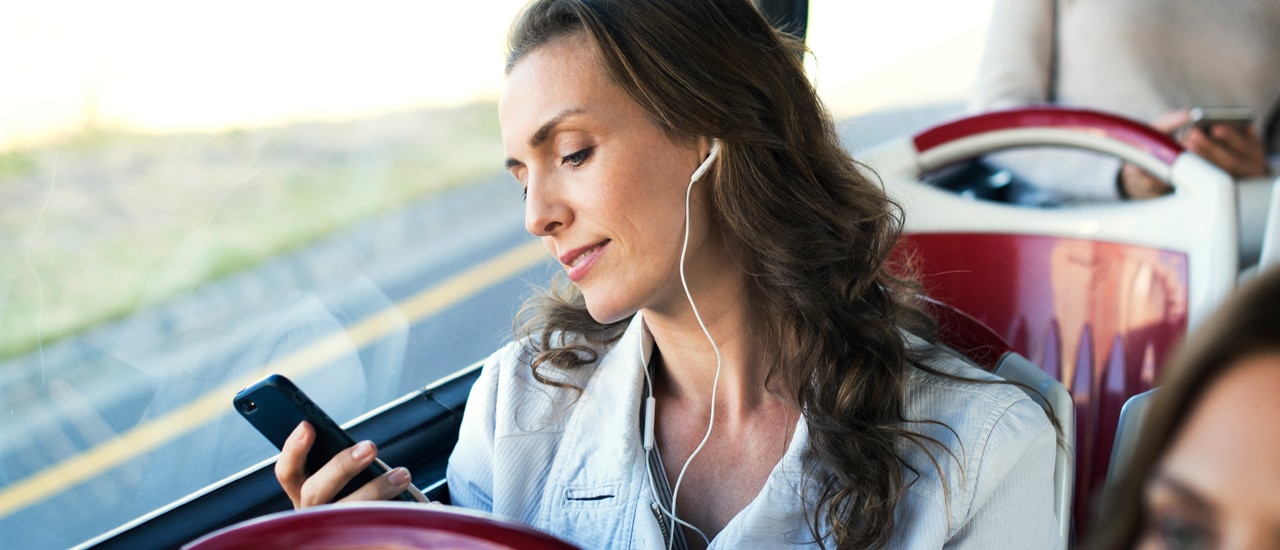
1097	295
1132	418
377	525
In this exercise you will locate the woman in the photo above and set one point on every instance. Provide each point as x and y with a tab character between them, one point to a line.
731	361
1204	473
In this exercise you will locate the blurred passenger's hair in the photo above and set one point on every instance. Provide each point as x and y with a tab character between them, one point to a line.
1247	324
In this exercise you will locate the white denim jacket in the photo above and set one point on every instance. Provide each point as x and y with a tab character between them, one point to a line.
573	464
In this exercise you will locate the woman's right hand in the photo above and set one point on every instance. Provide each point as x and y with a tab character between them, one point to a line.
324	485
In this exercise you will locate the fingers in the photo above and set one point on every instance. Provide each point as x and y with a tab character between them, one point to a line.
385	487
1172	121
1238	151
1139	185
291	467
325	484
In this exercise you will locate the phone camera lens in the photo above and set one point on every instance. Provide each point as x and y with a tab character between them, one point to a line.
248	406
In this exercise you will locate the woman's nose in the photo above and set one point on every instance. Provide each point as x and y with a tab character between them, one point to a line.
545	210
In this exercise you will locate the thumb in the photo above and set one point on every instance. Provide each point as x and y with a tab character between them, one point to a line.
1171	121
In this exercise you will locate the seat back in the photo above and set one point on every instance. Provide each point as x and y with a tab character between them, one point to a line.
378	525
981	345
1097	295
1127	431
1270	241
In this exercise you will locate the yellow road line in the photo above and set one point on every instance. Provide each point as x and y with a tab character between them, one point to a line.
152	434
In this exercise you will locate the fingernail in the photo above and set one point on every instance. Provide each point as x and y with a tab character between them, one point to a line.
297	434
399	476
362	450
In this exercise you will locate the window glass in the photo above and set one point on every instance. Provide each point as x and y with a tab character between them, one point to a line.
193	195
886	69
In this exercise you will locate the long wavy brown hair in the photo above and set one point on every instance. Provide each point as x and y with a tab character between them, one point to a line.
815	231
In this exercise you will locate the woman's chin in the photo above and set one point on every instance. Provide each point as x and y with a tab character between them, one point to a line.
606	313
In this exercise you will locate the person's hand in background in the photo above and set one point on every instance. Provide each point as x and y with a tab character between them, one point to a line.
1237	150
1136	183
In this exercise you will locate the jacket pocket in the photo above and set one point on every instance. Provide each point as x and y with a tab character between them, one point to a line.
600	496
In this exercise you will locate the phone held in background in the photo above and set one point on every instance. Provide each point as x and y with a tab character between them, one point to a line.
1205	118
275	406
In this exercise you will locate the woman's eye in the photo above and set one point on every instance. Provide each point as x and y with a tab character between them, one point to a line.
577	158
524	194
1177	534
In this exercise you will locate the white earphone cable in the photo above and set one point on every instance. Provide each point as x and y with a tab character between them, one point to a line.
650	405
650	402
675	492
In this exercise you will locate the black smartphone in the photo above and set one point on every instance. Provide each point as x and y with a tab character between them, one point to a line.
275	406
1206	117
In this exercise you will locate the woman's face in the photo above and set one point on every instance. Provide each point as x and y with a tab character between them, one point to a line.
1218	486
605	186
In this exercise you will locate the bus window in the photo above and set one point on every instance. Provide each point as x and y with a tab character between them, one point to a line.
886	69
193	195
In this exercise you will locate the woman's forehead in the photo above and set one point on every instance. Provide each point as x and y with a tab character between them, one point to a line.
562	76
571	55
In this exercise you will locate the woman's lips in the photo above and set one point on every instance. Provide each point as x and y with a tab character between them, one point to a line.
579	261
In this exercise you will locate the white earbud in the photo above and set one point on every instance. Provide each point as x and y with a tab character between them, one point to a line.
706	164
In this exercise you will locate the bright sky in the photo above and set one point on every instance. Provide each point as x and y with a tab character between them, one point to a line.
158	66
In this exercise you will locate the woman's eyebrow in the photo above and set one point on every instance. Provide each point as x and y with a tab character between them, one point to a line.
1186	493
544	131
